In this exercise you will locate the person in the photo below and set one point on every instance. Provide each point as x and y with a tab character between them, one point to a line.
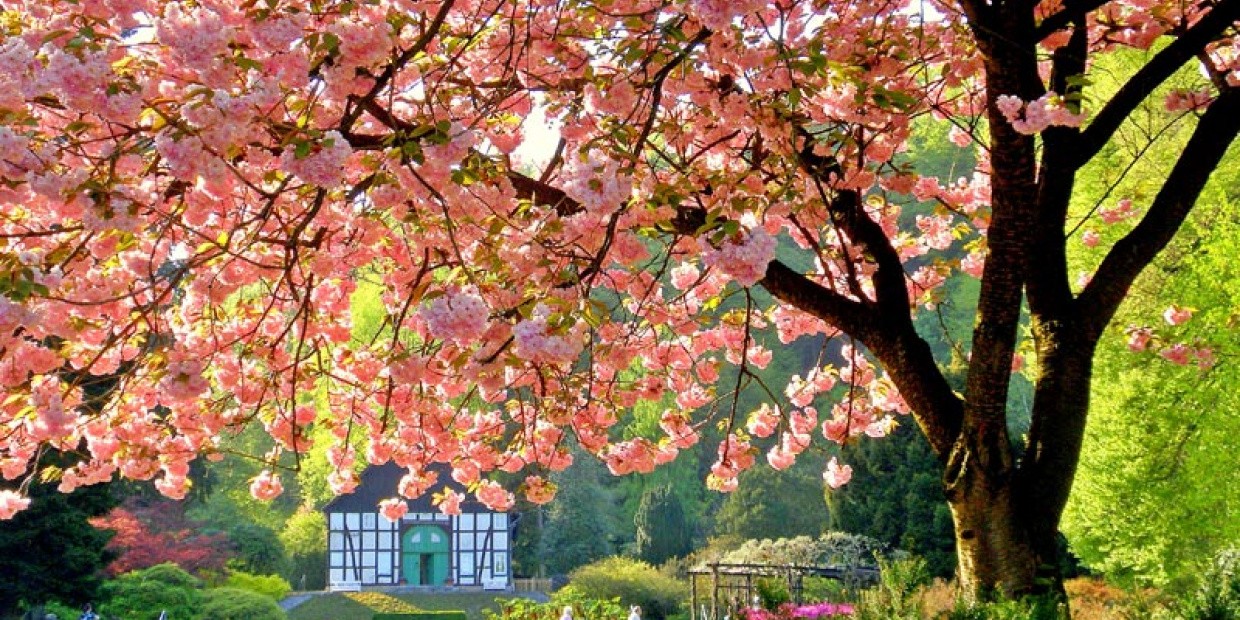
88	613
635	612
567	614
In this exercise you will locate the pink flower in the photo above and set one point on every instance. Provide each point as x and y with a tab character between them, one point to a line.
393	508
1138	339
762	422
780	458
266	486
684	275
1177	354
1176	315
450	502
746	260
1205	358
539	490
837	475
973	264
493	496
11	503
959	137
459	316
1090	238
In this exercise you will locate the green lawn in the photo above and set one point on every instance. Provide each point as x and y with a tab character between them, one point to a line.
361	605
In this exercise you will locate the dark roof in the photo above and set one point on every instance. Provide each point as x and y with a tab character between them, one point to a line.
379	482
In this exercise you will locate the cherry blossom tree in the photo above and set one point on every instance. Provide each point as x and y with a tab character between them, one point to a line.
193	191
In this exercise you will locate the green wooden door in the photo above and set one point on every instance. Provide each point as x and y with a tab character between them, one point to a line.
424	556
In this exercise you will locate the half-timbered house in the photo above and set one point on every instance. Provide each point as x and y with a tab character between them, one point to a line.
425	548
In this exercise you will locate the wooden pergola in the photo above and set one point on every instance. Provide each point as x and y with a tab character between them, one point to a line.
732	586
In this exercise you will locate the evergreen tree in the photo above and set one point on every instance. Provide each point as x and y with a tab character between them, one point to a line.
770	503
580	525
894	496
50	552
662	529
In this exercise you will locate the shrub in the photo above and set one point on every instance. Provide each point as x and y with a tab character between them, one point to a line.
583	608
422	615
1218	596
632	582
772	593
166	573
237	604
271	586
259	550
895	595
131	596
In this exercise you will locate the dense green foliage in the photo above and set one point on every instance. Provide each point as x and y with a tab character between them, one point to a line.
776	504
273	587
237	604
304	538
582	608
1218	595
632	582
895	496
1155	495
258	548
145	593
580	526
421	615
661	526
50	551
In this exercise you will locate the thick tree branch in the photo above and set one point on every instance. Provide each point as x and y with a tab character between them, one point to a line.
1049	292
904	354
1155	72
885	327
1215	132
1071	12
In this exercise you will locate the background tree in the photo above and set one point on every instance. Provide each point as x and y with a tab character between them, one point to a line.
1154	497
51	552
775	504
661	527
581	526
193	191
305	538
151	532
894	497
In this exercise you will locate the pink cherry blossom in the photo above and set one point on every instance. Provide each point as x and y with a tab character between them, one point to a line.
539	490
762	423
1090	238
393	508
493	496
1177	354
745	260
1176	315
11	503
460	316
266	486
836	475
1138	339
449	502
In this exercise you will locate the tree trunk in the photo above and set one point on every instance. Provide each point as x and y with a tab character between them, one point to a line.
994	552
1007	513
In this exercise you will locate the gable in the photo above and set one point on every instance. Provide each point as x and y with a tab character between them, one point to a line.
379	482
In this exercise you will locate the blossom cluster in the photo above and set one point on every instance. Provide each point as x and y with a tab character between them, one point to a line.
460	316
1035	116
744	260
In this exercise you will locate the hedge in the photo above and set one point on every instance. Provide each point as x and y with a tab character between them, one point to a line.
422	615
